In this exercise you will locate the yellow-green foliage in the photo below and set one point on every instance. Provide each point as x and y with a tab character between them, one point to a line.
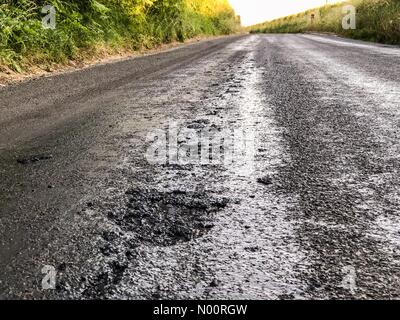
377	20
85	24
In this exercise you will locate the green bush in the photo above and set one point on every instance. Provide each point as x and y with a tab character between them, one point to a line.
84	25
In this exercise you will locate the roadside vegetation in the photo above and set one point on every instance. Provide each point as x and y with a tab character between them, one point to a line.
86	28
376	20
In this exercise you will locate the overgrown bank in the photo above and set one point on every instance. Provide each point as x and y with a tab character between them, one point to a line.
376	20
86	27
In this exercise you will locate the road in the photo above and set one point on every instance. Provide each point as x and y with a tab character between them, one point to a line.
249	167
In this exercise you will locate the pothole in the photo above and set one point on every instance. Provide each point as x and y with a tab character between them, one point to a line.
166	218
34	159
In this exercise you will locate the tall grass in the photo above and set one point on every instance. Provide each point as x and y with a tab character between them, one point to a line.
377	20
84	25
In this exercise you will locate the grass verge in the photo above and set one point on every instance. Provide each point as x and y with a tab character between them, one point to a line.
376	20
91	29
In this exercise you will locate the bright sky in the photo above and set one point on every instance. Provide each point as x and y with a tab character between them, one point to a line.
256	11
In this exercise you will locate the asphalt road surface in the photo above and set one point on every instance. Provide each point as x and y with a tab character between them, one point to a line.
254	167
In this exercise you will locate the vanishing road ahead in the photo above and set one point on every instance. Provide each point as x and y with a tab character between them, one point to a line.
308	206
